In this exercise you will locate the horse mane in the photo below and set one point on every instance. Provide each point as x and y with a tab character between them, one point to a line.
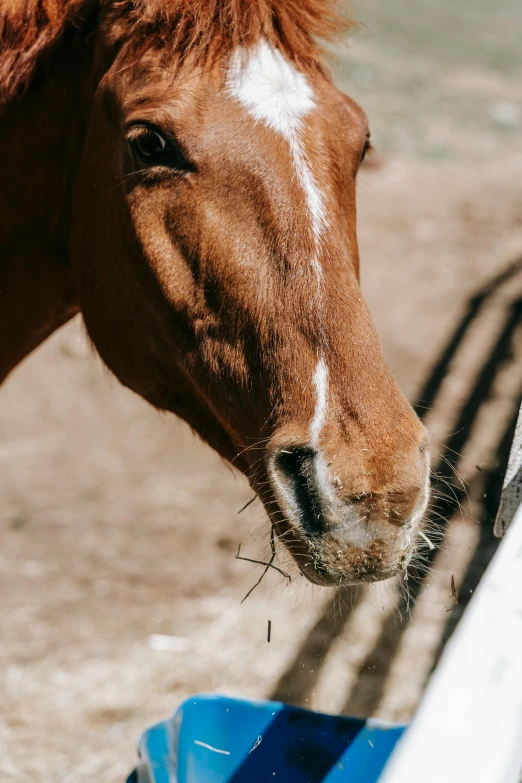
28	30
199	30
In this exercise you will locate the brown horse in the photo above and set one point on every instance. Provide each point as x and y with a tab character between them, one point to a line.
182	172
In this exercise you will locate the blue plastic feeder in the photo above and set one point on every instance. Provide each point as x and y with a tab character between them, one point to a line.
213	739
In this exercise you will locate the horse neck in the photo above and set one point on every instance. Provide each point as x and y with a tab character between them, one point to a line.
41	137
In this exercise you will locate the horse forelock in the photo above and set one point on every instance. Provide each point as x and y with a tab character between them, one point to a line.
203	30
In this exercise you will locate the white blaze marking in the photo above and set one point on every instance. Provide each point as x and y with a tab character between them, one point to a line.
277	94
321	401
320	381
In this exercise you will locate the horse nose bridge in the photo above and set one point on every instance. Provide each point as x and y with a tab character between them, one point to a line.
385	442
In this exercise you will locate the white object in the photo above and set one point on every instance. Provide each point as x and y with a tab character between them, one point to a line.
468	728
209	747
512	487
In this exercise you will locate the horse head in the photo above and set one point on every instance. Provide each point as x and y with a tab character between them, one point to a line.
216	262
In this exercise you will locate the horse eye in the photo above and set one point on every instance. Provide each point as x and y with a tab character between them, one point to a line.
367	145
155	151
149	144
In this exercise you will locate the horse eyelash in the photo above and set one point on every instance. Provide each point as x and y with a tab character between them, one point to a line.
368	147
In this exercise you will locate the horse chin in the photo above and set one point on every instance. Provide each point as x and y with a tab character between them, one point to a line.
336	579
325	577
330	560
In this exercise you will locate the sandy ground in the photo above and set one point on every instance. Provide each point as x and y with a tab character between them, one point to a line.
120	592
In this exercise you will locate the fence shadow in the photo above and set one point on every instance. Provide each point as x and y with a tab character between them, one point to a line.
298	681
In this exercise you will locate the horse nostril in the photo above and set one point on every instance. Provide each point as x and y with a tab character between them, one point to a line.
295	460
296	469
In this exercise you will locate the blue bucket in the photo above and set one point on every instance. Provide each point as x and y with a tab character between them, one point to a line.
214	739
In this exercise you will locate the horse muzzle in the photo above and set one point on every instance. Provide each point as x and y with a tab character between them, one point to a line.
338	533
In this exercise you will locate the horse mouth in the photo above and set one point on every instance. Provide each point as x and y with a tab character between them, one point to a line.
323	578
332	561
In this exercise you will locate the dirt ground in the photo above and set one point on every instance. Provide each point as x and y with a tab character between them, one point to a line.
120	591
